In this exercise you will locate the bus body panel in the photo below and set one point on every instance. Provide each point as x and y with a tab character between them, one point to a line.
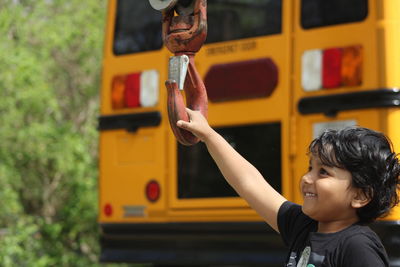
209	224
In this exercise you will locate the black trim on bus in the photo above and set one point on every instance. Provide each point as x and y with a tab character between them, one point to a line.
218	243
330	105
130	122
186	244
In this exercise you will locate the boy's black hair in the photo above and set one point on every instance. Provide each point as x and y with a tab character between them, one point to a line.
373	165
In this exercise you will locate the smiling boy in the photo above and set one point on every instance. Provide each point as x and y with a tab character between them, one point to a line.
352	180
329	197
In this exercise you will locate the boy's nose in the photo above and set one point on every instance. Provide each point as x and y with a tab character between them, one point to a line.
307	178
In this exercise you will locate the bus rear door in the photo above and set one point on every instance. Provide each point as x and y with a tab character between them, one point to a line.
344	72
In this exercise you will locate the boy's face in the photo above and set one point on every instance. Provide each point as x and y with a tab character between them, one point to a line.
327	193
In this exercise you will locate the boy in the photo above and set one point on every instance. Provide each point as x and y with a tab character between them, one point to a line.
352	180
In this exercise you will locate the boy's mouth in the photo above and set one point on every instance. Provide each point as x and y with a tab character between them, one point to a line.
309	195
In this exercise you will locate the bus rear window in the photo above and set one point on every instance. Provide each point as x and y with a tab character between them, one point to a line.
237	19
137	27
320	13
199	176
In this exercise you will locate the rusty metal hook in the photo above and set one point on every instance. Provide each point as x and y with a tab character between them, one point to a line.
196	99
184	35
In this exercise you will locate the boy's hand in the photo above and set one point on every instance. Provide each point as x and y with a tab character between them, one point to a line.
198	125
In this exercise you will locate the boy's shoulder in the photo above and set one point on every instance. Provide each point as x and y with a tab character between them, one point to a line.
352	238
361	245
356	245
359	236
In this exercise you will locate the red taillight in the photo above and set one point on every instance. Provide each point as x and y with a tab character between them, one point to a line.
153	191
331	67
240	80
139	89
132	90
108	210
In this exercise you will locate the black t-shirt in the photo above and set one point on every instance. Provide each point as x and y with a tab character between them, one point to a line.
354	246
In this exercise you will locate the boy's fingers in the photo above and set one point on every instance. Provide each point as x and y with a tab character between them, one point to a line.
182	124
190	112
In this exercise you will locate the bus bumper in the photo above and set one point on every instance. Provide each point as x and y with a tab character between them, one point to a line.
185	244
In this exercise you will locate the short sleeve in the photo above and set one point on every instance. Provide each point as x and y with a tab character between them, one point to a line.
292	222
363	250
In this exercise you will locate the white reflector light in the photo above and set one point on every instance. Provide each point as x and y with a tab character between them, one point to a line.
149	88
311	65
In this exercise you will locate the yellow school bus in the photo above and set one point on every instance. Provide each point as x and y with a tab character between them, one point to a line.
277	73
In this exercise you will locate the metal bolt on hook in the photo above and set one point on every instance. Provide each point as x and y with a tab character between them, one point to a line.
183	7
178	67
162	5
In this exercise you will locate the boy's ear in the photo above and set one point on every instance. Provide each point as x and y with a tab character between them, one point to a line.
360	199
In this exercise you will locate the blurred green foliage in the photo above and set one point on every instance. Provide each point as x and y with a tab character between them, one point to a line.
50	58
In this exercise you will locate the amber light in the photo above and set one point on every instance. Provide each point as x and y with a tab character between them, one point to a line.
117	92
351	71
153	191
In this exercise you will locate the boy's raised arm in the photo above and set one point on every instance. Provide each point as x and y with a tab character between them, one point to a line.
239	173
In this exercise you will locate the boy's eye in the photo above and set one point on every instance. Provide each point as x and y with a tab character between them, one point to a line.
322	171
